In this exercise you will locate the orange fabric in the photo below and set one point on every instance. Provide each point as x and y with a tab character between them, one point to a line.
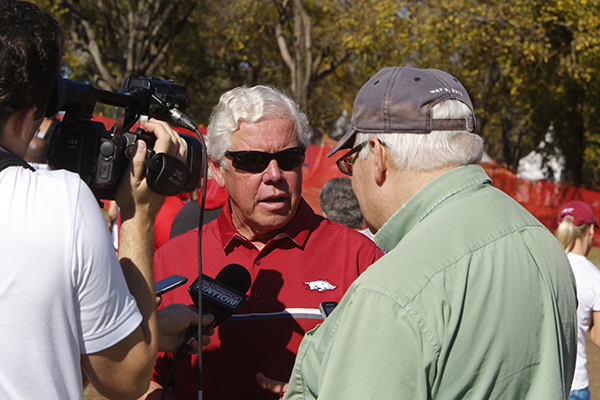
541	198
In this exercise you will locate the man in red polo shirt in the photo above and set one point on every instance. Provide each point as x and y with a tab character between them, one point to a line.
257	138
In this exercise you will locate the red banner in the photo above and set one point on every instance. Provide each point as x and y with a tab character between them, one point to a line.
541	198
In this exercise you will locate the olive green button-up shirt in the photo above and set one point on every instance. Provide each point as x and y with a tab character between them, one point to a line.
474	299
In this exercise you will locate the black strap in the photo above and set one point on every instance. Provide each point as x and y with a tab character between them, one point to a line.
11	160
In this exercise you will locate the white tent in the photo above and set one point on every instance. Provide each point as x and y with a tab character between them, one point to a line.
537	165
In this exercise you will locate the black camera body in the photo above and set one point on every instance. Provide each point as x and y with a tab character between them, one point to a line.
100	156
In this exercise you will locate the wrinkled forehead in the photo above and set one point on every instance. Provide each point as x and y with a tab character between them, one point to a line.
268	135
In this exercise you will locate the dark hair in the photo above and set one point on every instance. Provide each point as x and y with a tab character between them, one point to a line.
339	203
31	49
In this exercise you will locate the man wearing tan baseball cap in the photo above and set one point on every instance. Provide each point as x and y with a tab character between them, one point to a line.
474	297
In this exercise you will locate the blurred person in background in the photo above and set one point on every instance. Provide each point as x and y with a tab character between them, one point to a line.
576	233
188	217
338	203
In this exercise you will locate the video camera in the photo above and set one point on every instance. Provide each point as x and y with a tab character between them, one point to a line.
100	156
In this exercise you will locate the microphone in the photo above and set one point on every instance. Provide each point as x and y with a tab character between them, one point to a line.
224	295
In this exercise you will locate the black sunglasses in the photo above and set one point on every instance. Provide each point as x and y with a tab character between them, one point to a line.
346	161
257	161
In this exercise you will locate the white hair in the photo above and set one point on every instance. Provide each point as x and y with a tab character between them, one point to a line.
431	151
251	105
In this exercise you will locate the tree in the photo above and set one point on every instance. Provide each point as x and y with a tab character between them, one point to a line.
320	52
527	64
321	44
116	39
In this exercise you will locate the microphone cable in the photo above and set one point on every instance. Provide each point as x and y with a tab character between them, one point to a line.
185	122
182	351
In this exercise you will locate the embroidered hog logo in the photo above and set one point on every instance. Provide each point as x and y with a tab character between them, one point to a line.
320	285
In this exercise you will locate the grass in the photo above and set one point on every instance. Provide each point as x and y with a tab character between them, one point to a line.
91	394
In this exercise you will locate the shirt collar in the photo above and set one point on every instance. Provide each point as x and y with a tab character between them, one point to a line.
297	230
446	187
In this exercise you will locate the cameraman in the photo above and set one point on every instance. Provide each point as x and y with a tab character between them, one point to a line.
67	304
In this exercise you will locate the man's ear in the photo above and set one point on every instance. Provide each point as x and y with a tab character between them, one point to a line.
380	158
21	121
216	170
17	130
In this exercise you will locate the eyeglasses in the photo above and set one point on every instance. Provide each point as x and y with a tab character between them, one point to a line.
257	161
346	161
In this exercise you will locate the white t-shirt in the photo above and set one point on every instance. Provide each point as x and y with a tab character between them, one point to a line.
587	278
62	290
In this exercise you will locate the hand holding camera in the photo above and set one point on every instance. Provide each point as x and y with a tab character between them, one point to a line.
101	156
133	191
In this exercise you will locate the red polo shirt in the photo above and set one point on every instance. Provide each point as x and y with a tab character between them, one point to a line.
312	261
164	219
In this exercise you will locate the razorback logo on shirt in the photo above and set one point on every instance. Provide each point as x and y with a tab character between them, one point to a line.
320	285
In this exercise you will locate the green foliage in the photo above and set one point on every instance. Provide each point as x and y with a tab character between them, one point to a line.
239	43
528	64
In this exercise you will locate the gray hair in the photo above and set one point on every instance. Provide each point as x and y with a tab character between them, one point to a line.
251	105
339	203
438	149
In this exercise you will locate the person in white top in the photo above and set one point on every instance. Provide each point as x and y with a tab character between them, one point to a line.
70	310
576	234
